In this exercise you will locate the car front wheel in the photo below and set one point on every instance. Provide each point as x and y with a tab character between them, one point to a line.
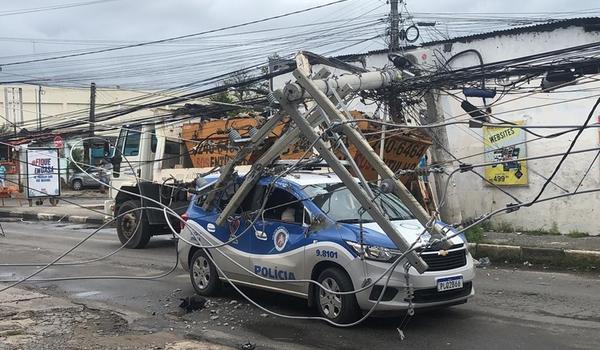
77	185
204	275
338	308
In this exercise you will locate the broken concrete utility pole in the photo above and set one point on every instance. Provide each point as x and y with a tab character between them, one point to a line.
324	92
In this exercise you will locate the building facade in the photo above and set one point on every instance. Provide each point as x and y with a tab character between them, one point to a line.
471	196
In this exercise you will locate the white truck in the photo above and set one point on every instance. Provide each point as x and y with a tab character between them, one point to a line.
150	161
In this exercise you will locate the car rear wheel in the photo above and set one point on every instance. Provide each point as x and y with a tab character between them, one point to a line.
338	308
132	225
77	185
204	275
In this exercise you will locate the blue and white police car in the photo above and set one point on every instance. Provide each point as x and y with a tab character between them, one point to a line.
312	228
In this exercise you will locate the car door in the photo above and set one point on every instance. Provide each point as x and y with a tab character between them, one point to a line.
232	258
279	240
91	179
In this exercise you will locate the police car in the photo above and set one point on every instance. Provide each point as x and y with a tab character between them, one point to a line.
311	229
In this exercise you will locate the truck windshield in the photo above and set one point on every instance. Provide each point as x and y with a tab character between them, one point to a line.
337	202
132	143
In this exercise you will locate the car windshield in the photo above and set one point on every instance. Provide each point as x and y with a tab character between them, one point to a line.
337	202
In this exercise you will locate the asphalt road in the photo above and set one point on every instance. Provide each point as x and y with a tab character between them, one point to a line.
514	308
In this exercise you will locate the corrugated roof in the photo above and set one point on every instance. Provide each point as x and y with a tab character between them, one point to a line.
588	24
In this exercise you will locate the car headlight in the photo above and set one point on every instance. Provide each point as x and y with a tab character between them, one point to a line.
374	252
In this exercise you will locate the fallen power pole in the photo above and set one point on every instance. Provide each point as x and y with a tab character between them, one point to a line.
330	95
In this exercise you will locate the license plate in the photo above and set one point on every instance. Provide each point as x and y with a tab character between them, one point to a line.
449	283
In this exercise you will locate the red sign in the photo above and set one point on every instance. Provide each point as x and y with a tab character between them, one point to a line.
58	142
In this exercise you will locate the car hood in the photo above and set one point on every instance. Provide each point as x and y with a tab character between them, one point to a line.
409	229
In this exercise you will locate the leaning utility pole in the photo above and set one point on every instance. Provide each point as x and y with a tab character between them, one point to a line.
328	119
394	23
92	121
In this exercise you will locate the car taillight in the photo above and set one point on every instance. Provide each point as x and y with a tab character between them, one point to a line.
184	219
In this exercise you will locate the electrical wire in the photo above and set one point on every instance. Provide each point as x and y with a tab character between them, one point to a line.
174	38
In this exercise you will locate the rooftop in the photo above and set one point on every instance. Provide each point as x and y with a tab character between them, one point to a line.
589	24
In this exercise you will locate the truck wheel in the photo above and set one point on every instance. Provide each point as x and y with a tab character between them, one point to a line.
341	309
133	227
77	185
204	275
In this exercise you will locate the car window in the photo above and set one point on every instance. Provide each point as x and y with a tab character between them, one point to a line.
225	196
283	206
337	202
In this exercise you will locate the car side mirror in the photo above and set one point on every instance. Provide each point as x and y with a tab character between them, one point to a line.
306	220
116	162
312	223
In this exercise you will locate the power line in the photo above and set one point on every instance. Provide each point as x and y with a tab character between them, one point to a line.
52	8
175	37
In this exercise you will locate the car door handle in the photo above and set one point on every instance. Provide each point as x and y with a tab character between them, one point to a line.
262	235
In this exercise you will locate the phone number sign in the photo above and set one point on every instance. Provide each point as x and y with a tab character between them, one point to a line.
504	147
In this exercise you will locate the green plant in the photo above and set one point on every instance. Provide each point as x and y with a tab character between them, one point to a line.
474	234
5	129
577	234
487	226
227	99
77	158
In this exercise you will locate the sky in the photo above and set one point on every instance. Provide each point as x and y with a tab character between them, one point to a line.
33	29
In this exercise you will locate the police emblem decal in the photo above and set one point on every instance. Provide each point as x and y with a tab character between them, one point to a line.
280	238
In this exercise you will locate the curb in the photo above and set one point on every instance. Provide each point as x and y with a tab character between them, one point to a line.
537	255
74	219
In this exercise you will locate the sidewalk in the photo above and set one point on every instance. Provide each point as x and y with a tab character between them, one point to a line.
545	250
34	320
76	207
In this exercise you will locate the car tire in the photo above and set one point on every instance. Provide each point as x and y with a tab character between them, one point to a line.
342	309
203	274
77	185
134	223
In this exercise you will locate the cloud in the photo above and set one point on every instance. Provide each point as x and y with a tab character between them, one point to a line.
135	21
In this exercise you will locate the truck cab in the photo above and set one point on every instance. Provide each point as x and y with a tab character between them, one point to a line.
149	162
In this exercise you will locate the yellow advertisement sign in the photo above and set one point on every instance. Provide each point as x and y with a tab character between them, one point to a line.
504	147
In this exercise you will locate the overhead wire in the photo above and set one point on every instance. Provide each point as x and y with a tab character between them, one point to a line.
152	42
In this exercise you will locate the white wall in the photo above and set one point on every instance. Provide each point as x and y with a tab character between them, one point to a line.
67	104
476	198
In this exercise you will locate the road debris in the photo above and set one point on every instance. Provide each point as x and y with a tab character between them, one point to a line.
248	346
482	262
401	333
193	303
